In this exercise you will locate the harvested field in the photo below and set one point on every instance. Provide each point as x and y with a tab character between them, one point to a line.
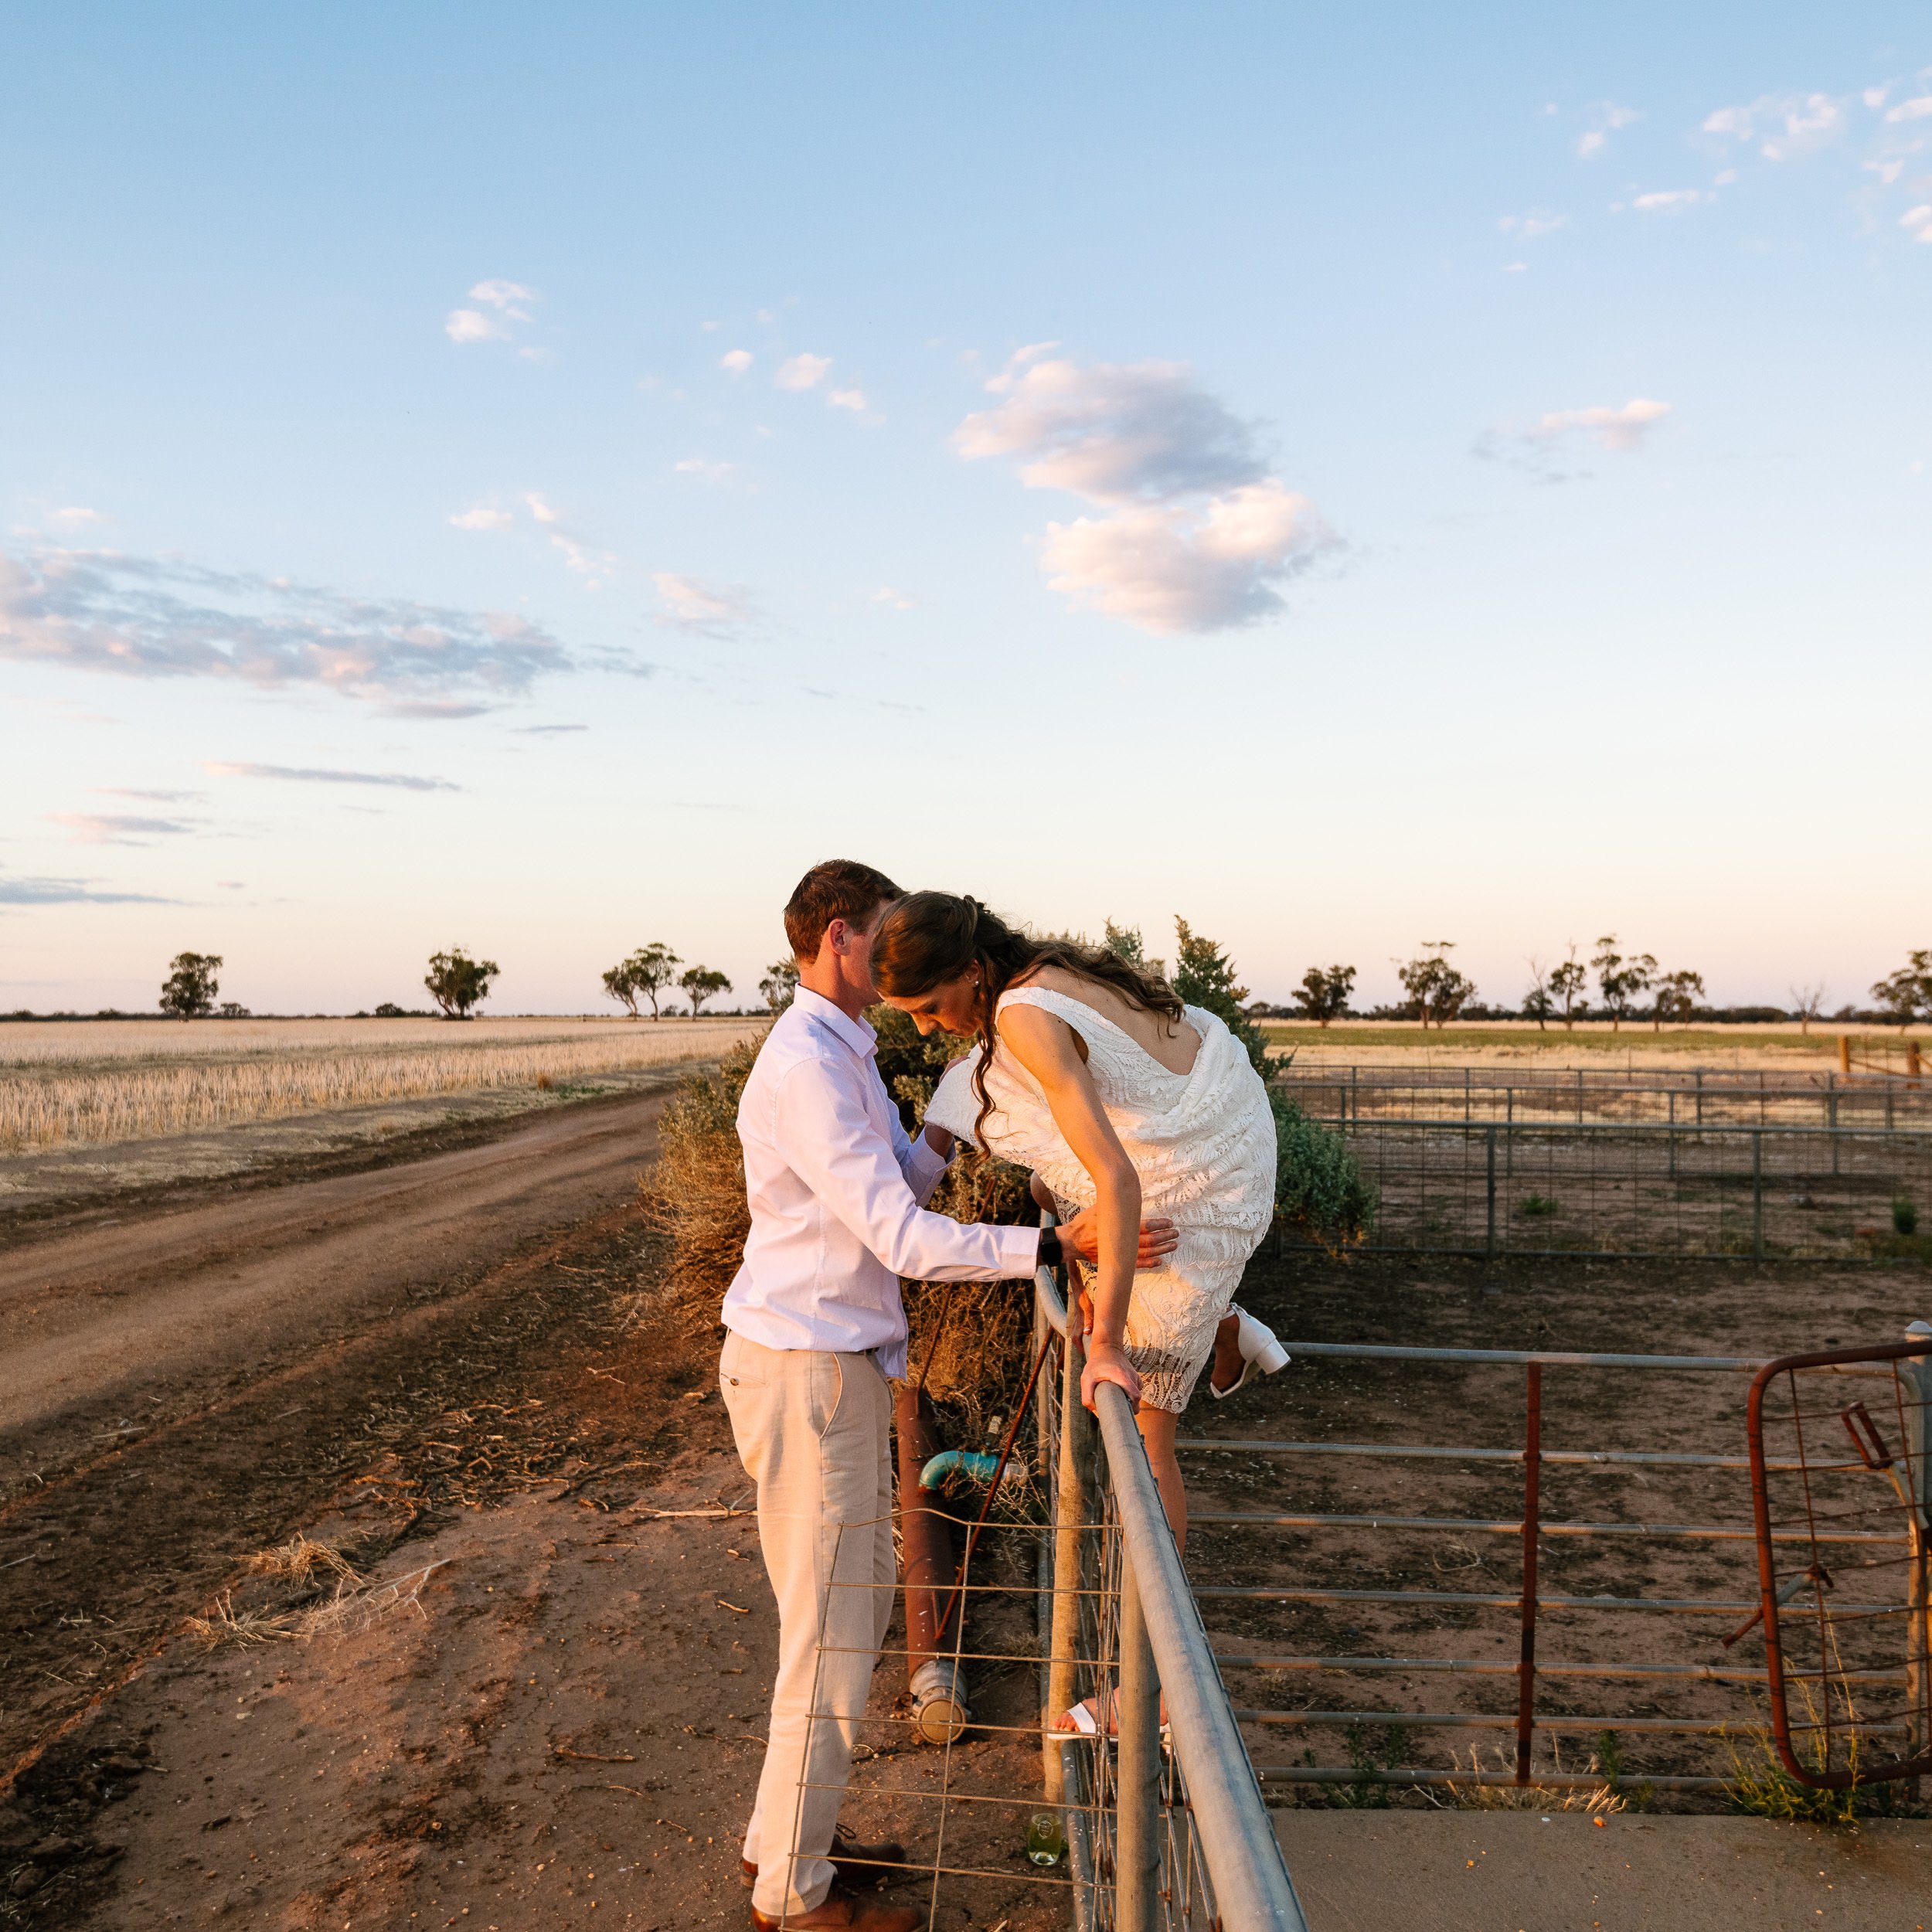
99	1082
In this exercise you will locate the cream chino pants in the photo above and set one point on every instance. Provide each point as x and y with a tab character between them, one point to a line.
814	1433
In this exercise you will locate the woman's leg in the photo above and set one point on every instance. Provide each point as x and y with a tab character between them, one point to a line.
1158	1427
1228	1365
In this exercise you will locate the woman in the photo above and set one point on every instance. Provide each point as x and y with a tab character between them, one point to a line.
1093	1074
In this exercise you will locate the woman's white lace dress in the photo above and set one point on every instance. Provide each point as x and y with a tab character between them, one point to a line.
1202	1143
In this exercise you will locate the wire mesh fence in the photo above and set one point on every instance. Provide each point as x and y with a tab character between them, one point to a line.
1667	1612
1493	1186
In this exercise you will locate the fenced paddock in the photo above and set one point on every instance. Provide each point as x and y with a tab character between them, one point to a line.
1512	1187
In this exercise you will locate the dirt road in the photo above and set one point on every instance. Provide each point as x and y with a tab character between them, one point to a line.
186	1388
109	1330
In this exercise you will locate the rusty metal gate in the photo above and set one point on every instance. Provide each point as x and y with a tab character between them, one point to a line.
1812	1543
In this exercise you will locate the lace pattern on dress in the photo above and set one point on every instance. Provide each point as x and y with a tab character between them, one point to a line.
1166	1379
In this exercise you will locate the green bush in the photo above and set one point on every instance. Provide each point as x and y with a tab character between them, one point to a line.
1905	1216
1319	1187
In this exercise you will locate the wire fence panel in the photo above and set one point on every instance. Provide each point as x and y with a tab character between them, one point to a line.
1671	1604
1497	1187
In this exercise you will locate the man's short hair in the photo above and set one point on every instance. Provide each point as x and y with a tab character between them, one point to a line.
839	888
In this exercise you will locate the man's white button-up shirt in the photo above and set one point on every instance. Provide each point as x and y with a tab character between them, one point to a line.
837	1193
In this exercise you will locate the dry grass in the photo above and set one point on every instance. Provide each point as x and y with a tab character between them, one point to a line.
301	1590
116	1081
1594	1798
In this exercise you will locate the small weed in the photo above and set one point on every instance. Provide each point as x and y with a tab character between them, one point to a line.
1536	1206
1593	1798
1905	1216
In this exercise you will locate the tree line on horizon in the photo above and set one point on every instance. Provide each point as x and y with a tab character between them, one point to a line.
1439	992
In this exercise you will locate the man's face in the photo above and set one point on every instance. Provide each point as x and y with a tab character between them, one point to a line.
850	943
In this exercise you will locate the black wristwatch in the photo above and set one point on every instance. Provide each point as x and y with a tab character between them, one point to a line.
1051	1255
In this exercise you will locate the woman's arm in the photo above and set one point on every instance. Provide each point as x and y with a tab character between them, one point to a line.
1047	1048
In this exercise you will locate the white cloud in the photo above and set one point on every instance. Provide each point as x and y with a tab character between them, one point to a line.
313	775
1668	200
1528	227
1200	531
897	599
802	372
710	610
75	513
1114	433
505	296
707	472
1888	171
1616	429
70	892
1919	221
139	617
1874	97
482	518
1608	118
472	325
1915	109
847	399
1784	125
539	508
115	828
737	360
1179	568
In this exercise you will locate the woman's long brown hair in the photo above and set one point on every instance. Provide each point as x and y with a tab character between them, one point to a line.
928	938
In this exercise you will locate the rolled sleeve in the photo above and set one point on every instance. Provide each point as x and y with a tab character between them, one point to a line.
839	1151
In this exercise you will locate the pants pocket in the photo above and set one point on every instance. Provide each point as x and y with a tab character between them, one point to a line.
827	1392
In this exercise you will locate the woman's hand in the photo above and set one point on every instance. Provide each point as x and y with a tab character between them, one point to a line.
1106	1362
1081	1236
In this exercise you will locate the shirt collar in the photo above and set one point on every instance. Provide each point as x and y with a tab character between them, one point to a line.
856	1033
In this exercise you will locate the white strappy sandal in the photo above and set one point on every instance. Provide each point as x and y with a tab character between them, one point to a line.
1261	1354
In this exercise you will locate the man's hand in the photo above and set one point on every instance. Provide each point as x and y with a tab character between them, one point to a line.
1159	1237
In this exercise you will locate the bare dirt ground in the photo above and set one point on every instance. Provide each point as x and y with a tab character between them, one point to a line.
543	1706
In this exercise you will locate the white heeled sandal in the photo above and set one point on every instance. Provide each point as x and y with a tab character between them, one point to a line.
1261	1354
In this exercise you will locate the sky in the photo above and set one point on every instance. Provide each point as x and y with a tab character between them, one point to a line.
537	480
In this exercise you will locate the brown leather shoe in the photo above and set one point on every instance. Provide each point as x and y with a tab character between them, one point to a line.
840	1911
853	1864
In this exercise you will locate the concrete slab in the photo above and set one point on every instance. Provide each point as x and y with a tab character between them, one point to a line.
1519	1872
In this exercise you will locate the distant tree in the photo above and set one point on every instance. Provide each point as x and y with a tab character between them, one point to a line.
1537	1003
233	1009
700	983
1125	941
1906	995
1674	997
1204	976
389	1010
456	982
1807	1002
1619	979
1324	993
780	984
1567	983
648	973
189	991
1436	989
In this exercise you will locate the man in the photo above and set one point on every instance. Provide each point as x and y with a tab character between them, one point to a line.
837	1193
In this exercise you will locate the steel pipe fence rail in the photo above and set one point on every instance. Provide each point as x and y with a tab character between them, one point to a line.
1839	1543
1715	1097
1637	1188
1165	1824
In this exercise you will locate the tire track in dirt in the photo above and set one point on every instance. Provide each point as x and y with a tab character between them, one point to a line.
378	1301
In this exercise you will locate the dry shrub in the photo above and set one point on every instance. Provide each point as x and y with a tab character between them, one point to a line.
1594	1798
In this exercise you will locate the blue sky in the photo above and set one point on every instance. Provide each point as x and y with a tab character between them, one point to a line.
538	480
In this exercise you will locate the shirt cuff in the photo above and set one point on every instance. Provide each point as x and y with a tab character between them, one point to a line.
1019	1253
923	1167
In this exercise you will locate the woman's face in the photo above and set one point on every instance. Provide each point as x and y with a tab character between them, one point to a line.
952	1006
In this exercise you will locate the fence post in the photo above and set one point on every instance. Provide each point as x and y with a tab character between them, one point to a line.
1062	1689
1509	1139
1700	1097
1918	1449
1137	1835
1844	1053
1532	1467
1489	1237
1758	1193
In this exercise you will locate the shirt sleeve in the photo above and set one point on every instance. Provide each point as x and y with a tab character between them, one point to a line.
923	1165
827	1137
